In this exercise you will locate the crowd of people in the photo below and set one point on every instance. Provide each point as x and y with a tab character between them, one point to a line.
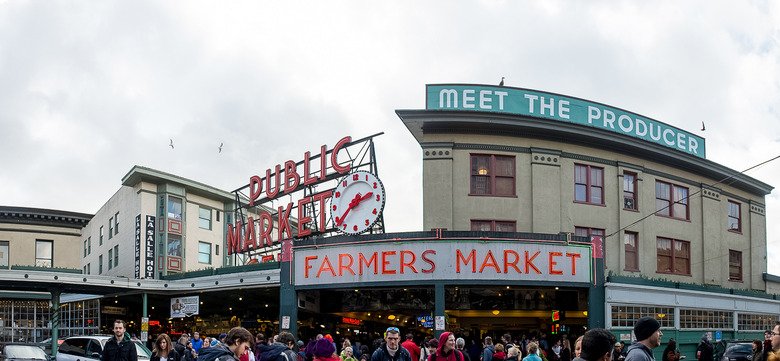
595	345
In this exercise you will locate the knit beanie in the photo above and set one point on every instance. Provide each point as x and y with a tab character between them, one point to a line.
324	348
645	327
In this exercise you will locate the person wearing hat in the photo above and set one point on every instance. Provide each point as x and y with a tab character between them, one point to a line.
597	345
391	349
325	350
704	349
648	336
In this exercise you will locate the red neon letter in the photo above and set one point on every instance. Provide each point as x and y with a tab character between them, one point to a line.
284	222
265	232
255	188
307	170
409	264
573	257
362	261
386	262
472	258
234	238
321	197
430	262
490	261
348	267
334	156
326	266
303	230
268	192
306	262
512	264
529	262
290	172
250	238
553	263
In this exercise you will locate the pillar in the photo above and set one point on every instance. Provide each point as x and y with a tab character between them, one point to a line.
55	319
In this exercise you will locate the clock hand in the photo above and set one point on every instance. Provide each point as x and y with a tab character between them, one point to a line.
354	202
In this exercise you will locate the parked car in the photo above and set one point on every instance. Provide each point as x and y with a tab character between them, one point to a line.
22	352
734	350
89	348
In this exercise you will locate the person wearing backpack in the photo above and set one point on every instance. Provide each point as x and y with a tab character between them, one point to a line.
446	350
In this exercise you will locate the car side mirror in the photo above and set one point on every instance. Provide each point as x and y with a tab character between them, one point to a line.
95	355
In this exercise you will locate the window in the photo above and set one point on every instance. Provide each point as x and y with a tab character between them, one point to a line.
216	250
89	268
116	255
44	251
735	265
89	245
587	232
116	223
588	184
110	227
671	200
4	253
174	245
625	316
629	191
100	264
110	257
85	248
735	217
706	319
204	218
204	252
492	175
493	226
101	235
755	322
174	207
632	251
674	256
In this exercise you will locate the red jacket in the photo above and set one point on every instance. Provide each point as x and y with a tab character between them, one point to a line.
413	349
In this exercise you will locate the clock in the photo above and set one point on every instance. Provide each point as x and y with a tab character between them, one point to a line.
357	202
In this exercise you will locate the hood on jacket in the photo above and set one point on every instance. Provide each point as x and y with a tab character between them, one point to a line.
442	340
125	339
270	352
213	353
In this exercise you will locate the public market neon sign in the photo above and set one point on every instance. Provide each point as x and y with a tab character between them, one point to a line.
560	108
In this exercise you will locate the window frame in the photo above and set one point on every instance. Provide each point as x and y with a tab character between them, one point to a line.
671	203
116	223
633	193
100	264
673	256
101	235
739	278
7	256
171	211
635	252
201	219
51	250
110	227
738	217
589	185
110	257
493	224
492	175
200	253
116	256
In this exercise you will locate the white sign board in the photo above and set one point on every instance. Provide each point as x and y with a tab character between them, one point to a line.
185	306
442	260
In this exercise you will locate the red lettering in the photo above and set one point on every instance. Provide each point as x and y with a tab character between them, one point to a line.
255	188
553	263
303	229
409	264
334	156
529	262
326	266
472	258
490	261
323	161
430	262
348	267
512	264
321	197
386	262
307	265
268	192
250	239
284	222
307	170
265	231
362	261
573	257
234	238
290	172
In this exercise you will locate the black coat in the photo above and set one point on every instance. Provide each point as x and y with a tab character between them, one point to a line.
172	356
122	351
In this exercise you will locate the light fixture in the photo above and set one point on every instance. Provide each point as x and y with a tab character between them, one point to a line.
391	317
356	290
201	302
496	312
585	313
380	316
152	307
556	288
323	326
499	294
266	305
231	308
482	171
115	301
240	298
369	313
507	287
661	315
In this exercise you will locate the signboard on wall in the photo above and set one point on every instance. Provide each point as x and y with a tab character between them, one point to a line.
185	306
437	260
560	108
138	233
149	238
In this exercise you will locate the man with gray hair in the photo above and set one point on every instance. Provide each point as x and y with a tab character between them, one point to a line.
460	343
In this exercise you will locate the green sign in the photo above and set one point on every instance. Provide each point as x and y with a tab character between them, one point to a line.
487	98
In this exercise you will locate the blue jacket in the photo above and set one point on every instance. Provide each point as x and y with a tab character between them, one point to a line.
487	353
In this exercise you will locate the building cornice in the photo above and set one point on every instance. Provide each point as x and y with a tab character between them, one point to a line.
43	217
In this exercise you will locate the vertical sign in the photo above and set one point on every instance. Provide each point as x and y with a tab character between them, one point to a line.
149	247
138	246
285	322
144	328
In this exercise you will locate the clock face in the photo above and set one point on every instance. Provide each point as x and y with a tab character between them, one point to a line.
357	202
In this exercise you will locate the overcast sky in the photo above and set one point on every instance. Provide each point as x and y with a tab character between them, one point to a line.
90	88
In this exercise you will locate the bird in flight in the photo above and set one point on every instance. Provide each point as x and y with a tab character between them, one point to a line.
220	147
502	82
171	144
702	127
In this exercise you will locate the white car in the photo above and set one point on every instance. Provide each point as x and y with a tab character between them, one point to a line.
89	348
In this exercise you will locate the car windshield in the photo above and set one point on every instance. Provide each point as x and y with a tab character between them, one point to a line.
24	352
742	348
142	351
